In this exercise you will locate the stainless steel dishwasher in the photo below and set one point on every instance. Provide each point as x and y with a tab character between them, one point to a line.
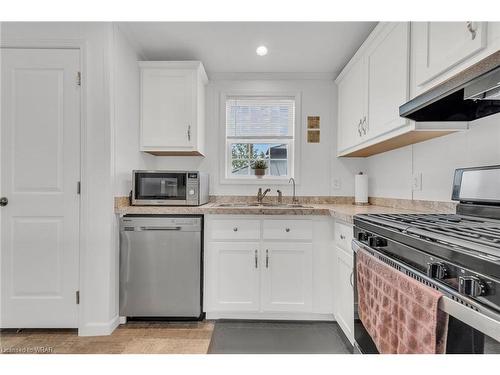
161	267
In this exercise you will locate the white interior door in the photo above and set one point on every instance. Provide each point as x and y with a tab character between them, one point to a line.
40	169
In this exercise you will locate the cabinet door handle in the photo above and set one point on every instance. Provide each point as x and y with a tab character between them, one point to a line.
359	127
235	229
256	259
365	125
472	29
342	237
267	258
189	132
351	279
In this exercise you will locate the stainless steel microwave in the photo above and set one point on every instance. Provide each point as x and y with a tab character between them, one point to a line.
169	188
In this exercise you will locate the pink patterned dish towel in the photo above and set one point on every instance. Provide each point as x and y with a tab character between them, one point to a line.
400	313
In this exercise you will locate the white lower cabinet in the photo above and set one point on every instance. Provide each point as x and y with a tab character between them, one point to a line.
287	276
283	272
235	283
344	313
344	278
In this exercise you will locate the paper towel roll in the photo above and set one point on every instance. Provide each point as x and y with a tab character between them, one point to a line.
361	188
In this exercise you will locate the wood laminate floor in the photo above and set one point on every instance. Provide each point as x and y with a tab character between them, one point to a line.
131	338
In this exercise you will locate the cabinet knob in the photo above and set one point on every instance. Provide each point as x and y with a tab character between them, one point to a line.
287	230
235	229
342	237
3	201
472	29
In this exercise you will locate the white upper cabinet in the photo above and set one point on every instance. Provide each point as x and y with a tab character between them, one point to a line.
441	50
352	104
388	71
371	88
439	46
172	107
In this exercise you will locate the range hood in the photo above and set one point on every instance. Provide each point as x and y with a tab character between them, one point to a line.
470	95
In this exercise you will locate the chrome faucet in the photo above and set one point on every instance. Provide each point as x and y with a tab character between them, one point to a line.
294	198
280	196
261	195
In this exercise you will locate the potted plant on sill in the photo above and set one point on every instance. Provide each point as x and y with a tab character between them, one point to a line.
259	166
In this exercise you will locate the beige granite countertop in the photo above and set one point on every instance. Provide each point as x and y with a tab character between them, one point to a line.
342	210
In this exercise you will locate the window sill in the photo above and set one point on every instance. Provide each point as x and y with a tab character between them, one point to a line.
256	181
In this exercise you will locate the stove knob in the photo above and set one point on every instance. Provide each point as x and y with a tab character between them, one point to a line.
191	192
471	286
377	242
363	236
436	270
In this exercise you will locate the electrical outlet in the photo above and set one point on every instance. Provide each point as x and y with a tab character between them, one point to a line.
336	183
416	181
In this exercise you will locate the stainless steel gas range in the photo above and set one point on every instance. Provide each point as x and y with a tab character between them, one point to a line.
458	254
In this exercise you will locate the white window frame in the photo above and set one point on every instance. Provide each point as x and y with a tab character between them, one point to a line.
293	149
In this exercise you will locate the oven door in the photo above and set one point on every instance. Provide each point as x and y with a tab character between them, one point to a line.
159	188
472	329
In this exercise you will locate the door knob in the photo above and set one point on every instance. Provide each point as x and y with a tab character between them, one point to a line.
3	201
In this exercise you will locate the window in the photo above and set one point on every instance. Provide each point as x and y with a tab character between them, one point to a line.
259	128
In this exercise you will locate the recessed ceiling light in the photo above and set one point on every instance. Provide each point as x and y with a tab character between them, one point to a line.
261	50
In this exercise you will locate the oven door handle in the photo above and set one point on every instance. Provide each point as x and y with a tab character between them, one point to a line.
475	319
487	324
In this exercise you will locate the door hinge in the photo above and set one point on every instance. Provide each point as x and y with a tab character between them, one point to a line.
77	296
79	78
78	187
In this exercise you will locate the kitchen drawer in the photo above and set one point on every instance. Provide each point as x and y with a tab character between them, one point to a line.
343	235
287	230
226	229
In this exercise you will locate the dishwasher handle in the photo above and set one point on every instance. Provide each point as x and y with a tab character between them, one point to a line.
142	229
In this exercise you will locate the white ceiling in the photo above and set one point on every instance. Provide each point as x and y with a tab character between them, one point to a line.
304	47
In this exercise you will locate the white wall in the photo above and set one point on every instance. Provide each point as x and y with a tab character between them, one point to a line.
98	240
126	110
317	164
390	173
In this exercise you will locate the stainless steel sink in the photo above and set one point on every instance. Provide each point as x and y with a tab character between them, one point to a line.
263	205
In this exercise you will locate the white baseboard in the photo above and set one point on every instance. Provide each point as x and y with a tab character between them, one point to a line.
269	316
99	329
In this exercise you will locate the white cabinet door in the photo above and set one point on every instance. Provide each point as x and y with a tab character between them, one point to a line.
168	105
439	46
286	276
234	276
388	78
351	105
345	293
